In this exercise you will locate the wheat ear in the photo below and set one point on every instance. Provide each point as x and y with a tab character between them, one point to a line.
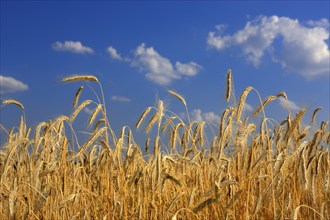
76	97
264	103
80	107
229	79
314	114
282	94
90	141
178	96
14	102
242	102
94	114
80	78
295	123
144	114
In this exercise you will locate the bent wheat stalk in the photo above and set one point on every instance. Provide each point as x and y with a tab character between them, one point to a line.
80	78
89	142
314	114
265	102
80	107
242	102
14	102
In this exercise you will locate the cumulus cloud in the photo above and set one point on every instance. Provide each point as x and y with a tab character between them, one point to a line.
11	85
120	99
159	69
114	54
198	115
187	69
287	104
303	49
72	46
319	23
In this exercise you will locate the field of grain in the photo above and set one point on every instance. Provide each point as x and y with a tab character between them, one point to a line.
237	170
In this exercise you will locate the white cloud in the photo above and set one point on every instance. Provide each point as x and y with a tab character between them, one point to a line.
320	23
198	115
187	69
114	54
287	104
159	69
303	49
72	46
11	85
120	99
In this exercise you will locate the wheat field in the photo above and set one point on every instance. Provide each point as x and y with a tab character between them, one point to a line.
185	170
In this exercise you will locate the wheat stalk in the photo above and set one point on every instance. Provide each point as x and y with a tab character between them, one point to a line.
229	79
89	142
178	96
314	114
80	78
94	114
168	121
98	123
175	134
203	205
152	121
242	102
76	97
282	94
79	108
14	102
264	103
160	112
144	114
295	123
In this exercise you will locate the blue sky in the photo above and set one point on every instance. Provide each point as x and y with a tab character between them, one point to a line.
139	50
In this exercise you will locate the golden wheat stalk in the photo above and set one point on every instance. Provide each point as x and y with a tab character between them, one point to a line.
168	176
157	148
89	142
201	133
144	114
203	204
184	139
98	123
296	212
76	97
229	79
264	103
314	114
223	120
22	127
175	134
160	112
80	78
80	107
178	96
152	121
94	114
295	123
14	102
166	124
147	145
242	102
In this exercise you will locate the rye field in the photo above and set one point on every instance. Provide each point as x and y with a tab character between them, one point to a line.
185	169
